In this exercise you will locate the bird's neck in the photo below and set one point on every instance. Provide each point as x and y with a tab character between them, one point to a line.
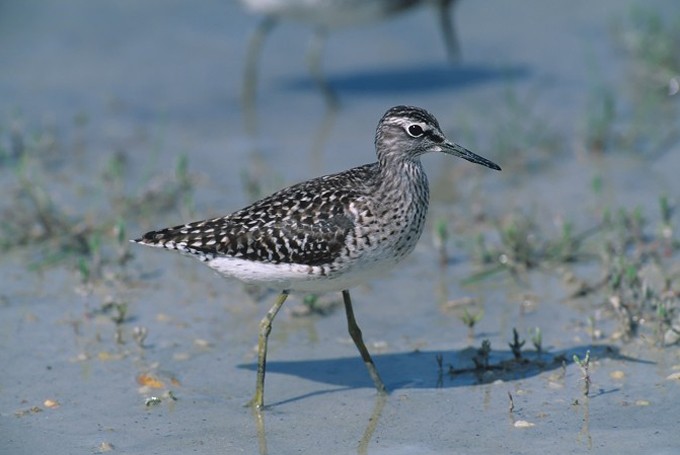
404	179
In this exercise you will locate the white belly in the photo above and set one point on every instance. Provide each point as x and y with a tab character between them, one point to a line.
299	277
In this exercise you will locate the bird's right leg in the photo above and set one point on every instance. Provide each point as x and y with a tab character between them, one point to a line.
355	333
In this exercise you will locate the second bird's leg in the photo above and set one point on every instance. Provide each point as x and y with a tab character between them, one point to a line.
251	72
355	333
265	329
445	10
314	54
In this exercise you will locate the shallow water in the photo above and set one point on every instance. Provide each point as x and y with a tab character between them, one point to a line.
158	80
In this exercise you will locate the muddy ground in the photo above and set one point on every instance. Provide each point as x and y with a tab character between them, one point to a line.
120	117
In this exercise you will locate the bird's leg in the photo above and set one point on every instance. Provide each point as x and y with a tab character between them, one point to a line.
316	45
251	72
445	11
355	333
265	329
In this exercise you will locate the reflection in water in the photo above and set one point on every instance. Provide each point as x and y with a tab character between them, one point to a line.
259	425
380	400
365	440
486	400
511	410
584	435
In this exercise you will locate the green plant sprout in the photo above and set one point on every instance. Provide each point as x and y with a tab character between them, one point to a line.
470	320
516	345
537	339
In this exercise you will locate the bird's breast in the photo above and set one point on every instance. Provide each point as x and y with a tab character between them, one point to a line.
387	228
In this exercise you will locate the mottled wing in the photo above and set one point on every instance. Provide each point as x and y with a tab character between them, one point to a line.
307	223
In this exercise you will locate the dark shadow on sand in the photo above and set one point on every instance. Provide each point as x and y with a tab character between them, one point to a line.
412	79
420	369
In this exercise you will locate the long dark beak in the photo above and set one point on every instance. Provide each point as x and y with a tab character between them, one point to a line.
456	150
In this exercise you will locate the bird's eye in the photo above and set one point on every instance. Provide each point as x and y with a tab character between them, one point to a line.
415	130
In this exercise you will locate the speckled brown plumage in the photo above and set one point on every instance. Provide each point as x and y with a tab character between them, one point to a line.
307	223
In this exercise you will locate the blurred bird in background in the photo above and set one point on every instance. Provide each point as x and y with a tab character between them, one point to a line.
323	16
